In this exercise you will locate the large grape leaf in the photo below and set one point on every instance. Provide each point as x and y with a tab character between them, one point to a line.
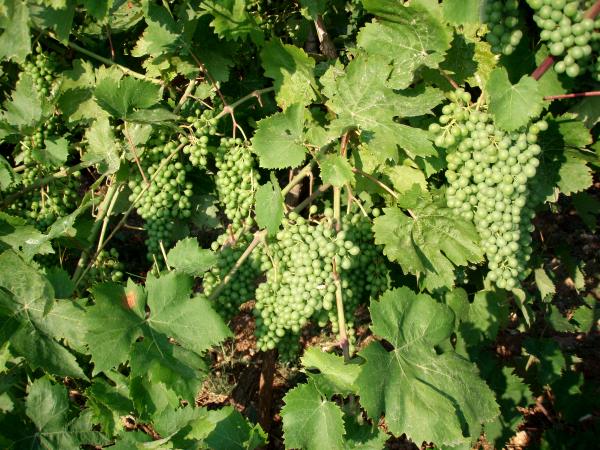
15	41
293	72
123	98
513	105
279	139
361	99
430	243
428	396
188	257
32	322
119	319
407	36
310	421
48	406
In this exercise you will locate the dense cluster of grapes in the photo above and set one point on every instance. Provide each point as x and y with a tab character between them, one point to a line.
488	171
41	207
204	125
167	198
568	32
502	17
236	180
301	267
240	287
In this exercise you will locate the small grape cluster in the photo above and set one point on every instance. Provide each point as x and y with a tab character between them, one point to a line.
240	288
502	17
303	267
167	198
567	31
236	180
106	267
489	171
41	67
204	126
41	207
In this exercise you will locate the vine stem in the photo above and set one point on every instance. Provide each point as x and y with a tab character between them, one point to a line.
339	303
44	181
106	61
228	109
134	151
102	212
383	186
549	61
123	220
327	45
573	95
106	219
308	200
186	94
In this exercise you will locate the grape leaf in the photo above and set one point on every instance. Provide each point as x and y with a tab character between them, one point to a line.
188	257
513	106
30	322
333	376
487	315
54	153
293	72
232	21
58	17
408	36
362	100
310	421
118	319
588	208
103	149
511	393
24	110
412	380
336	170
547	359
108	402
98	8
574	175
23	238
269	207
15	41
461	12
160	36
226	428
544	284
278	140
362	436
48	405
404	177
7	175
430	243
76	94
121	98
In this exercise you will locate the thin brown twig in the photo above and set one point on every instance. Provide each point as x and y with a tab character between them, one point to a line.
134	151
450	80
573	95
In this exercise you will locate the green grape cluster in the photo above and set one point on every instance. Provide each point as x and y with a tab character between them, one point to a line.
502	17
41	67
204	126
106	267
567	31
42	206
240	288
168	197
303	266
489	171
236	180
